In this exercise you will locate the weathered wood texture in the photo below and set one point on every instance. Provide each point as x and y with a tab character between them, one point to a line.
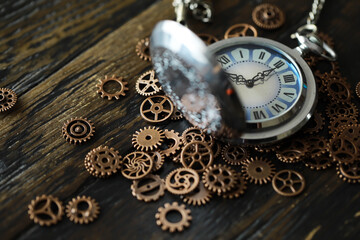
53	52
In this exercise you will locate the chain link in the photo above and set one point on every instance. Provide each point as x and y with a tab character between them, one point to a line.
313	17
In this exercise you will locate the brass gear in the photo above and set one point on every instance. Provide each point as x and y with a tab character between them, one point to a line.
267	148
78	215
48	206
148	138
158	159
217	147
219	179
142	49
357	89
292	150
258	170
288	183
105	94
78	130
147	84
156	109
238	190
319	163
149	188
208	38
200	196
335	109
268	16
8	98
318	145
315	124
337	89
172	143
166	225
196	155
102	161
336	123
240	30
234	154
176	115
196	134
137	165
182	181
349	172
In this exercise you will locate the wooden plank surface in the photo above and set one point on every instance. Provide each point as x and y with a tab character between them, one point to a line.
54	63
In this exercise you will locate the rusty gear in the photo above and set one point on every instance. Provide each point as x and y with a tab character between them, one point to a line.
240	30
156	109
318	163
78	130
288	183
197	155
78	215
172	142
137	165
176	115
182	181
219	179
337	89
315	124
147	84
148	138
142	49
106	94
46	210
349	172
158	159
336	123
208	38
149	188
200	196
166	225
268	16
346	109
357	89
8	98
234	154
293	150
258	170
318	145
102	161
238	190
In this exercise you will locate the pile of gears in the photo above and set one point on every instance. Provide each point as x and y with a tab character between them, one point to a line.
206	165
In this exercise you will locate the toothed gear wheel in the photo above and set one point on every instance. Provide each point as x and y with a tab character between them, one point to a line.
293	150
158	159
337	88
172	143
137	165
78	130
349	172
319	163
166	225
46	210
147	84
357	89
8	98
238	190
176	115
234	154
142	49
200	196
268	16
315	124
219	179
318	145
148	138
258	170
336	123
80	215
149	188
105	94
335	109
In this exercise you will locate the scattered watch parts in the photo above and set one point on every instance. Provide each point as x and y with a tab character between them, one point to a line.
8	98
258	170
336	123
197	155
137	165
268	16
46	210
193	134
349	172
293	150
335	109
234	154
147	84
82	210
238	189
219	178
338	90
199	196
116	91
148	138
177	115
149	188
319	163
318	145
78	130
142	49
156	109
182	181
208	38
357	89
240	30
171	226
288	183
158	158
172	143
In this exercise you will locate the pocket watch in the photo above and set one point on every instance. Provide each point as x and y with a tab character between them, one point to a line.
247	90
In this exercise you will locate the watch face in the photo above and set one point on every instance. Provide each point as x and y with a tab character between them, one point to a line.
266	79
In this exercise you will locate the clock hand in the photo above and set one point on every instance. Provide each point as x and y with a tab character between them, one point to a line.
262	75
238	79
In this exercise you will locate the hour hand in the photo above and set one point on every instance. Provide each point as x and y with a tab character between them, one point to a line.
238	79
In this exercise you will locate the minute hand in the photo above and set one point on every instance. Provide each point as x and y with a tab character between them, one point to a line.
262	75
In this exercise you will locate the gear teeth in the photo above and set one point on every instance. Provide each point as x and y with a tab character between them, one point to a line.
86	216
148	139
45	209
225	186
152	83
73	138
166	225
8	99
249	170
141	49
116	95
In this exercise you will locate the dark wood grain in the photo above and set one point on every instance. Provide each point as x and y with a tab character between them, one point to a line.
53	53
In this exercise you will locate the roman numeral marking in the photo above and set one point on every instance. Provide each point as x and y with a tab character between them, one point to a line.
241	54
223	60
290	95
259	114
277	108
262	55
289	78
279	64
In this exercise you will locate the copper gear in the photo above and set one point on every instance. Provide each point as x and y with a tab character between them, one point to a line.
292	151
268	16
208	38
166	225
240	30
318	145
196	155
8	98
357	89
46	205
337	89
105	94
336	123
219	178
156	109
142	49
286	183
349	173
258	170
78	130
137	165
234	154
267	148
315	124
238	190
217	148
319	163
149	188
102	161
172	143
200	196
176	115
335	109
196	134
158	159
147	84
78	215
182	181
148	138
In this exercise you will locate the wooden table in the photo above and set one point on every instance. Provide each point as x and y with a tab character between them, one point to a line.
53	53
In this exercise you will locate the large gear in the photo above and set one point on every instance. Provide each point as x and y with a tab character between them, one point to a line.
258	170
337	88
156	109
148	138
8	98
293	150
137	165
110	95
234	154
102	161
182	181
318	145
79	215
349	172
319	163
46	210
335	109
219	179
165	224
149	188
197	155
199	196
78	130
336	123
147	84
288	183
196	134
268	16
